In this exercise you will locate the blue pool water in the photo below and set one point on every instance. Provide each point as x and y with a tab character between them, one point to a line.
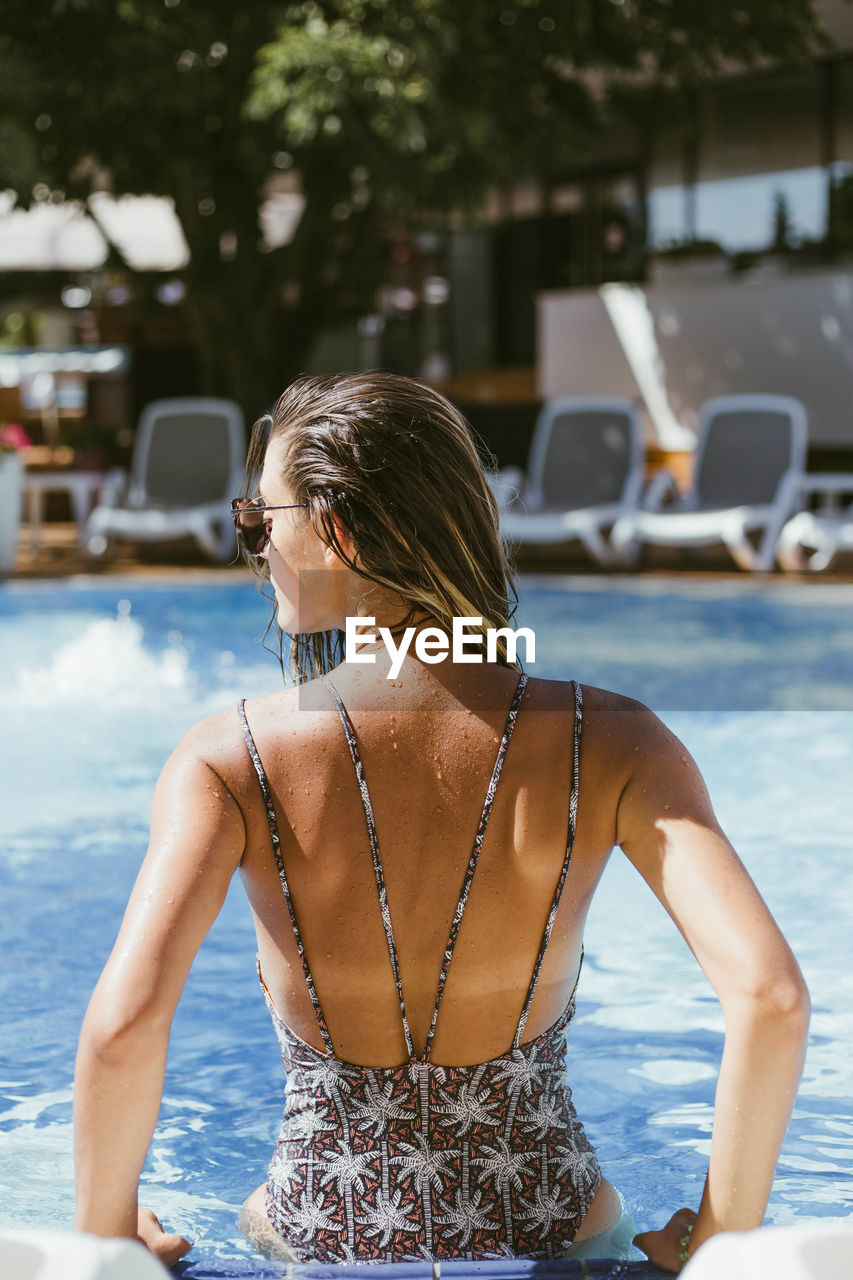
99	681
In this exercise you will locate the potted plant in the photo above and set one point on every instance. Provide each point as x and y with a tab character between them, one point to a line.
13	440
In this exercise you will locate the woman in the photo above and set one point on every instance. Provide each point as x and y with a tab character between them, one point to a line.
419	854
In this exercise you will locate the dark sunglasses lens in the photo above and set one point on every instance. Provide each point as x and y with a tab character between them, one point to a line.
252	528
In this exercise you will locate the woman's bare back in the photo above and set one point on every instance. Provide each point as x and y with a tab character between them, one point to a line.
427	759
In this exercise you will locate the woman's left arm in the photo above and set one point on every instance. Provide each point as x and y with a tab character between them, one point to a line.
667	828
197	841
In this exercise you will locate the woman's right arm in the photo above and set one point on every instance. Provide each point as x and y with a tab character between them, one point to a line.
667	828
197	841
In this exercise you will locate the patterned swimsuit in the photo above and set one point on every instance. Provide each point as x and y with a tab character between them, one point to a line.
420	1160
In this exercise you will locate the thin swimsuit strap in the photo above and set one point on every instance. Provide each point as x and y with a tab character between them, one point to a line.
558	892
279	862
352	743
462	902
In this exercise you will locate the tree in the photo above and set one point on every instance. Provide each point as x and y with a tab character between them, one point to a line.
783	229
380	111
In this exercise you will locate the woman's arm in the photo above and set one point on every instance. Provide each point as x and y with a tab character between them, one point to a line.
666	826
197	840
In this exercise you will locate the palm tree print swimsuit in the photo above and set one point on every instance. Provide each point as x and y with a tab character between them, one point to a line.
421	1160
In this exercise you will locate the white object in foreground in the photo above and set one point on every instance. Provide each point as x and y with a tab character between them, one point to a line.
809	1251
74	1255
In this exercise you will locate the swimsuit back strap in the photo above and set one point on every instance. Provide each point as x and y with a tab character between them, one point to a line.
352	743
279	862
558	892
475	855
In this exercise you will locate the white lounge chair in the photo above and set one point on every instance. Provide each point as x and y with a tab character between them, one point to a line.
825	531
187	463
585	471
750	460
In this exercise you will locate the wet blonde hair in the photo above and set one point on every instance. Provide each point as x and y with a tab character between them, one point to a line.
396	463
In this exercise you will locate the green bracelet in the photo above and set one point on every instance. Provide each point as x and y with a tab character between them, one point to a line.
684	1242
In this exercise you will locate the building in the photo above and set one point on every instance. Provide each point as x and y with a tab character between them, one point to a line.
712	255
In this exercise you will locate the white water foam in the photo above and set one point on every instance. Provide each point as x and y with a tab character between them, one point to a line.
107	664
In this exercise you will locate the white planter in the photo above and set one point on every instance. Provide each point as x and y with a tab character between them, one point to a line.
11	503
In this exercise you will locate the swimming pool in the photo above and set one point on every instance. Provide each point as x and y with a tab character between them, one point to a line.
101	678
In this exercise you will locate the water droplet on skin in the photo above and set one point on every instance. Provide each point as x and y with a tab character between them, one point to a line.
394	745
438	773
667	806
328	955
438	808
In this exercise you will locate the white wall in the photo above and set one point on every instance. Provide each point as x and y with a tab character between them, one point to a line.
677	344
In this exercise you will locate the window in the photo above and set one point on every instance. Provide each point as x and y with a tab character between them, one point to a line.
759	181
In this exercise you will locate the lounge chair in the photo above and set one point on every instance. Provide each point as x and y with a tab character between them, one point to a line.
825	531
750	459
187	463
585	471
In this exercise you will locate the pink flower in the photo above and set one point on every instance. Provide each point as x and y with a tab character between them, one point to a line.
13	437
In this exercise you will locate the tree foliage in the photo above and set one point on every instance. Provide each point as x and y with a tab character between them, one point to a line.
380	110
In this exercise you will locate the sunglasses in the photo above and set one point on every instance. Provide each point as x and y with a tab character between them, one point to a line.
252	525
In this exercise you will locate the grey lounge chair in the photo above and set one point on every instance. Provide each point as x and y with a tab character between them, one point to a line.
750	458
187	463
585	471
823	532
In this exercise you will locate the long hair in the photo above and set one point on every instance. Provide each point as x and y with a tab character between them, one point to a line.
396	463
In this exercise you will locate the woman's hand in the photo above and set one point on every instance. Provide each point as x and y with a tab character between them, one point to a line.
167	1248
663	1247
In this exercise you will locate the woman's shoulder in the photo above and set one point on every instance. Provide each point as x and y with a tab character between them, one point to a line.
631	745
219	740
616	728
286	711
617	709
614	709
